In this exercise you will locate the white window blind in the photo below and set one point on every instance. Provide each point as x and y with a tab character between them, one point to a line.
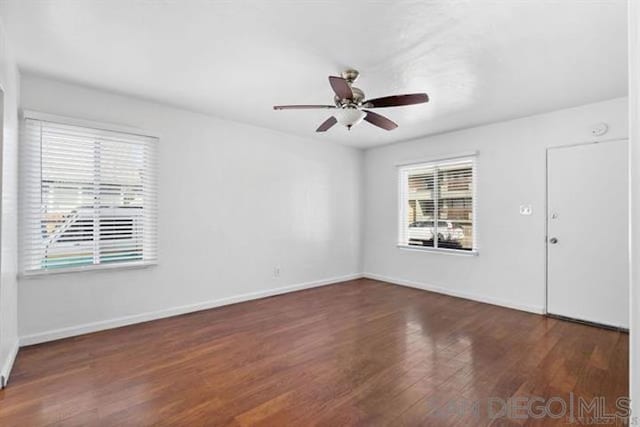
89	198
437	205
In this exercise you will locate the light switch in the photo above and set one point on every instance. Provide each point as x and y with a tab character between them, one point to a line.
525	210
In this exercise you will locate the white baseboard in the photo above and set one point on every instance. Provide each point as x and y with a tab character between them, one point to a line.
466	295
8	365
175	311
57	334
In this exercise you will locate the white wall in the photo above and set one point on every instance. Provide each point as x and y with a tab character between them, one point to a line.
634	166
235	201
9	80
510	267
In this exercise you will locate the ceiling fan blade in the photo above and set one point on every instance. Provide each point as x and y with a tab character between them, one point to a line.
379	120
327	124
301	107
397	100
341	87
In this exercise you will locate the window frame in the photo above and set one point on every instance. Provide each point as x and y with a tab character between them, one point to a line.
402	173
98	126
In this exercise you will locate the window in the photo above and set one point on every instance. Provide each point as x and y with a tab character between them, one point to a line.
89	197
437	205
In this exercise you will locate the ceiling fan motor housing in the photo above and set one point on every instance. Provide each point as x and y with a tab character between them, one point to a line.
356	100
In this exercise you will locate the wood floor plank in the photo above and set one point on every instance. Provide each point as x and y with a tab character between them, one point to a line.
358	353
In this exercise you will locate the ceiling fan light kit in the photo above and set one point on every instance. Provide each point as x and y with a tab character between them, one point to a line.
350	116
350	104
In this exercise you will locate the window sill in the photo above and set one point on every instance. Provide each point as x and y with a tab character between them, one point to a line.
95	268
456	252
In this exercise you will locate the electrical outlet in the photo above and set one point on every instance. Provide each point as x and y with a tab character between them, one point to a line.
276	272
525	210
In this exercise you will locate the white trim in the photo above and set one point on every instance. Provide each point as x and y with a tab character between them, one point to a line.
437	159
54	118
34	274
466	295
634	205
445	251
8	364
577	144
87	328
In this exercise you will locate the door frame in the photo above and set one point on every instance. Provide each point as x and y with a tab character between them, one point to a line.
546	215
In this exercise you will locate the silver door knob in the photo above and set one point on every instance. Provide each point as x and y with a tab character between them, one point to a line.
553	240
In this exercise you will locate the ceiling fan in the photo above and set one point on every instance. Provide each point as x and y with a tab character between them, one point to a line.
351	107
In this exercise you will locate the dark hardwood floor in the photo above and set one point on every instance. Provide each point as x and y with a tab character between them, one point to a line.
358	353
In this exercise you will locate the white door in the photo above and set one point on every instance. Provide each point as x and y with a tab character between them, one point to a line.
587	241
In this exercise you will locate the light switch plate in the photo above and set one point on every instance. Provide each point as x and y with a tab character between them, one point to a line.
525	210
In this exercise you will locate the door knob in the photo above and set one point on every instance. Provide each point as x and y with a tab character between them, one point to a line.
553	240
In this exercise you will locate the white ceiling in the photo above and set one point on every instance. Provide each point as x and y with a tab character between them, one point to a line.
479	60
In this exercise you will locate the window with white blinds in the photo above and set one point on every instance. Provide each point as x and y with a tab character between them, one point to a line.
89	198
437	205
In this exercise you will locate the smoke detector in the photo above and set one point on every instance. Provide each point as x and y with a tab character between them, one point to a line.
599	129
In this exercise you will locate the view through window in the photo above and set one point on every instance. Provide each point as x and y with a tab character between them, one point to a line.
89	197
437	205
